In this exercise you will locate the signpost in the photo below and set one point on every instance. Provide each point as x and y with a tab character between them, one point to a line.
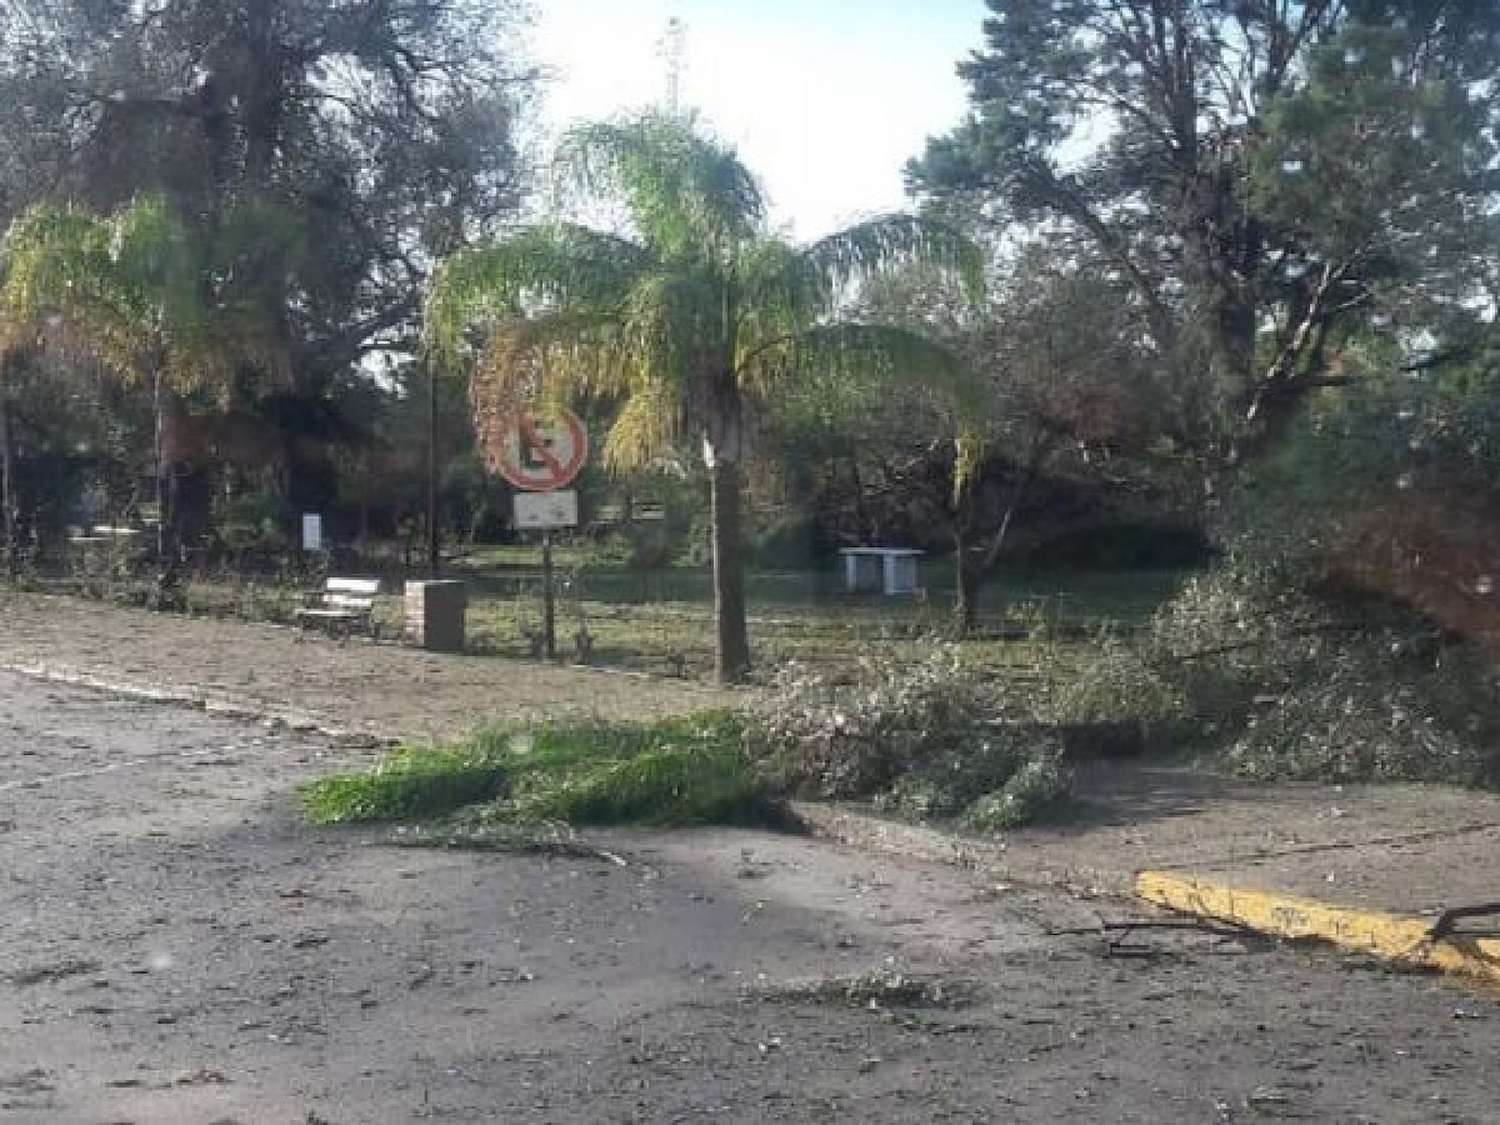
541	456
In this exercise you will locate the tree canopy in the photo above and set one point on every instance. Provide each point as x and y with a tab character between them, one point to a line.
1271	180
686	317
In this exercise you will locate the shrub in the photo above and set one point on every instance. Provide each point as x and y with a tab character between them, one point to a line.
1039	785
922	741
828	738
1277	681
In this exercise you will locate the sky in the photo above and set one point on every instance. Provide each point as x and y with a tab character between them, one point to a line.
825	100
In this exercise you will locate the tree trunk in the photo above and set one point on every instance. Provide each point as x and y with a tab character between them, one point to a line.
971	577
732	652
721	451
965	589
8	485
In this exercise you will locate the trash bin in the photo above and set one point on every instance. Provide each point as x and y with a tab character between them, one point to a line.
435	615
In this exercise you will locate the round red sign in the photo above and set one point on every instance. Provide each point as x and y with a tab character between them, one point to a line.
543	453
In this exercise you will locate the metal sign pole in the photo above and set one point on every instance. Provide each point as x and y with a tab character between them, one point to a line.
549	601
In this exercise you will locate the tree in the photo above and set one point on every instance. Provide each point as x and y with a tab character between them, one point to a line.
689	318
370	136
141	296
1270	180
1067	414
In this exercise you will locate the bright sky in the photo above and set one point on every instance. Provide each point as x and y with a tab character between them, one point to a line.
825	100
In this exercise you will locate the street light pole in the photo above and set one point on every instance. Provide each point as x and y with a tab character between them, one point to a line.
434	561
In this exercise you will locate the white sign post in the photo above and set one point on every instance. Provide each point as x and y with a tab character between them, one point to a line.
541	456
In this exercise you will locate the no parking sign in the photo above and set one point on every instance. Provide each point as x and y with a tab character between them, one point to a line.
542	453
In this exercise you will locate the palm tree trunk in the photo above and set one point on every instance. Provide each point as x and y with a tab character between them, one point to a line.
732	652
965	588
721	449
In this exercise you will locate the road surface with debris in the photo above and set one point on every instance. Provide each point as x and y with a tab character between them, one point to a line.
178	948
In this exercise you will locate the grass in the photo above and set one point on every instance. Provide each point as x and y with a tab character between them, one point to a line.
659	621
408	784
666	772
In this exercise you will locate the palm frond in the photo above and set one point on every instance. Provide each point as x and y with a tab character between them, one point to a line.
672	323
52	256
877	246
778	293
686	193
874	352
648	426
551	266
139	286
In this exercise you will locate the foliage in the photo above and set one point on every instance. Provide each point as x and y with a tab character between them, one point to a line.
1268	182
691	316
408	784
679	771
922	739
1033	792
372	136
133	285
1275	677
1369	717
1116	683
318	156
674	784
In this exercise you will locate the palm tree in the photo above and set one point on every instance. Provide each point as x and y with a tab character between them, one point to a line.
691	316
140	290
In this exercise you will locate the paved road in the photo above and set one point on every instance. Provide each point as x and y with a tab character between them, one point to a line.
177	949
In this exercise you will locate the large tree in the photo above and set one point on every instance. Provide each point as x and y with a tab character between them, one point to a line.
146	300
684	319
372	136
1271	180
1066	408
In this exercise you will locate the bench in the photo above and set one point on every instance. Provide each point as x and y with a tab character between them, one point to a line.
342	605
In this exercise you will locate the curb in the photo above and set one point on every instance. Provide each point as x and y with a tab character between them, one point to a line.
1404	940
195	699
857	828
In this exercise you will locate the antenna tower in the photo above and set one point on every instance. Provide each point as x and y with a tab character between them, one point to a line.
673	52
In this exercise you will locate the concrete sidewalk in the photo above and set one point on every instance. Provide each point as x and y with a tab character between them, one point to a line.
1366	867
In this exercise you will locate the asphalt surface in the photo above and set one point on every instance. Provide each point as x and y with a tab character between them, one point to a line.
178	948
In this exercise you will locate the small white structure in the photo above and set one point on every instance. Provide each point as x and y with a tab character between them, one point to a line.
889	570
312	531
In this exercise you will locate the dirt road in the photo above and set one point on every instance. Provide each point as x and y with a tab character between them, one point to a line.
177	949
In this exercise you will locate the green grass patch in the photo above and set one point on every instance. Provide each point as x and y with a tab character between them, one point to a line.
665	772
408	784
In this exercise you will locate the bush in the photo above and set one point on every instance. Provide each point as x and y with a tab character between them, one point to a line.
1371	715
921	742
828	738
1276	681
1038	786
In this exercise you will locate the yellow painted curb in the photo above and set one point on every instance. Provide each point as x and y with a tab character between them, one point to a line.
1404	939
